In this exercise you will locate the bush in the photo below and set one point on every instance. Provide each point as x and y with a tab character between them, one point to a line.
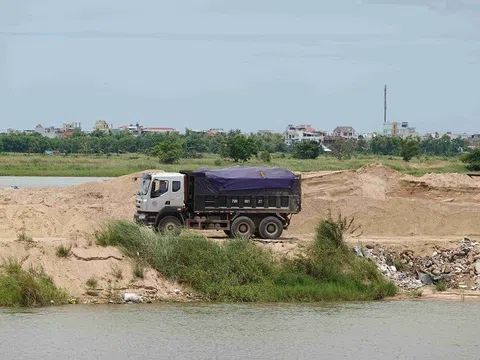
308	149
240	271
472	159
27	288
265	156
217	162
92	283
440	286
63	251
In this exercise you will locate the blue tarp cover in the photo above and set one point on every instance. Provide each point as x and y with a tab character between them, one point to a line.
249	178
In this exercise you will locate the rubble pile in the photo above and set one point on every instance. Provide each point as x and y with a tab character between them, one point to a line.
456	268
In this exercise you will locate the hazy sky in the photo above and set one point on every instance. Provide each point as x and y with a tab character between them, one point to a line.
249	64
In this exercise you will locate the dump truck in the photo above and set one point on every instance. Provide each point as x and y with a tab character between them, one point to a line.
241	201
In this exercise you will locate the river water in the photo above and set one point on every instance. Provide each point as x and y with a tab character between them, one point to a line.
379	330
45	181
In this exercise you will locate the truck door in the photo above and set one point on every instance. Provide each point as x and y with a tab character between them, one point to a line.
177	193
159	194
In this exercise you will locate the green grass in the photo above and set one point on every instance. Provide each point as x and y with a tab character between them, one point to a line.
20	288
63	251
23	237
116	165
138	270
241	271
440	286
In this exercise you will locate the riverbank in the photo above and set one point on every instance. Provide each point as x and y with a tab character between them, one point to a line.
123	164
396	211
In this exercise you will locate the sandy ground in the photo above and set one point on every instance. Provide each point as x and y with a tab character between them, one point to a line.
395	210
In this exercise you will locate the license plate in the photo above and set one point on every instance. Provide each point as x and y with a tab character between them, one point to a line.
141	216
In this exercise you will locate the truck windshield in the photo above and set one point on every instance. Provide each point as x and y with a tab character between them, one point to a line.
145	185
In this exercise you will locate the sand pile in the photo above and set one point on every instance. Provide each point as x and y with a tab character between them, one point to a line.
383	201
66	212
387	203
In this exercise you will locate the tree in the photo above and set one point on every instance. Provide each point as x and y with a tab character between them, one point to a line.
239	147
308	149
342	149
169	151
472	159
409	148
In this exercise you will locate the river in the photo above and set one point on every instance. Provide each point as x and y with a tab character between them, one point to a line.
378	330
45	181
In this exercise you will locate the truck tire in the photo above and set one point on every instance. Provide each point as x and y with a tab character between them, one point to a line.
270	228
170	225
243	227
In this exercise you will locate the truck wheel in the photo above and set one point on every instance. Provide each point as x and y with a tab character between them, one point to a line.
243	227
270	228
170	225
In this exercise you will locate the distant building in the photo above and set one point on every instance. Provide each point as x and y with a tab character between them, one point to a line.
102	125
299	133
346	132
390	129
139	130
50	132
68	129
148	130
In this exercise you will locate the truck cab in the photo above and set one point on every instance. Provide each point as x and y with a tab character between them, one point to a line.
159	193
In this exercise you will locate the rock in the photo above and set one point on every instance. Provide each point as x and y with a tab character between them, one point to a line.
477	267
424	278
177	291
131	297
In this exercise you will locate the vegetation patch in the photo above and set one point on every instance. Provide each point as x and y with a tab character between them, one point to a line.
32	288
63	251
23	237
241	271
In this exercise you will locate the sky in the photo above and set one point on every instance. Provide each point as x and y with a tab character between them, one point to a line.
241	64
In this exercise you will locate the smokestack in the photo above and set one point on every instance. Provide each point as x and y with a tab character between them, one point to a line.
385	104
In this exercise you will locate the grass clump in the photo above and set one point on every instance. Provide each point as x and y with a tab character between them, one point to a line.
117	272
241	271
138	270
440	286
92	283
24	238
63	251
20	288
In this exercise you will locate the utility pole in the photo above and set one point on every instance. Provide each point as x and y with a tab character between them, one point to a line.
385	104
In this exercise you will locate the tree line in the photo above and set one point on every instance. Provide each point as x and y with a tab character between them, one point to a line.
234	144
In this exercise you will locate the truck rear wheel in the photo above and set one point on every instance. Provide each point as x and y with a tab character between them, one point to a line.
243	227
170	225
270	228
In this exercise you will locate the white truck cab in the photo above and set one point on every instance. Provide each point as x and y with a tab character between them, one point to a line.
161	190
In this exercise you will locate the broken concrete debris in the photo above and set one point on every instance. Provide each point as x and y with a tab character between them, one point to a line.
458	268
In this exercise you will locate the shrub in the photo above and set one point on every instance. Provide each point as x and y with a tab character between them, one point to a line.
265	156
23	237
217	162
472	159
63	251
27	289
138	270
440	286
240	271
92	282
308	149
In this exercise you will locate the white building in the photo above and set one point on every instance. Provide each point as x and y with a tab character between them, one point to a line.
50	132
346	132
298	133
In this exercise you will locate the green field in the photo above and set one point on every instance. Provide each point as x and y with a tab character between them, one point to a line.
116	165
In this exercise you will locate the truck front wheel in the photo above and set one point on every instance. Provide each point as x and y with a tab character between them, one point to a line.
243	227
170	225
270	228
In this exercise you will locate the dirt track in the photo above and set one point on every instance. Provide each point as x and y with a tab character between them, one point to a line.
392	209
